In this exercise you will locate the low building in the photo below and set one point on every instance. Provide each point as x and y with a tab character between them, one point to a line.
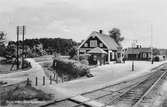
163	52
99	44
137	53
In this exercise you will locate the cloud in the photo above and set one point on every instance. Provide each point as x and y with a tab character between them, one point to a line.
78	18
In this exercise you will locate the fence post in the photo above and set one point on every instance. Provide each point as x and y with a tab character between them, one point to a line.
50	79
28	82
57	80
36	81
43	80
62	77
54	76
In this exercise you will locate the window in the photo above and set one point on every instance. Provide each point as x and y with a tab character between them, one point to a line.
82	51
144	55
101	44
94	58
93	43
86	45
149	55
111	56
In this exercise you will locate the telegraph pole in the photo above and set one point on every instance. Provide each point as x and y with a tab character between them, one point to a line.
151	30
23	47
133	47
17	56
20	30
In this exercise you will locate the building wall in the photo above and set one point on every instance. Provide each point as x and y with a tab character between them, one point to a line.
163	52
140	56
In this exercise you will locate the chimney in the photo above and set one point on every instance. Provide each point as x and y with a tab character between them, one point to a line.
100	31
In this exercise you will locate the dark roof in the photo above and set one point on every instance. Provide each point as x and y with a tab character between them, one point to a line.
97	50
145	49
108	41
132	51
137	50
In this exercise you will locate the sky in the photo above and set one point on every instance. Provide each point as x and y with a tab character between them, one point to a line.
76	19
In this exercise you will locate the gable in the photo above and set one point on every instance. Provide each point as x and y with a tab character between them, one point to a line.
107	41
87	43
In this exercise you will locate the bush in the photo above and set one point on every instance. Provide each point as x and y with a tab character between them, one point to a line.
3	102
73	52
70	67
26	64
83	57
156	58
75	57
2	52
2	83
84	61
164	104
46	64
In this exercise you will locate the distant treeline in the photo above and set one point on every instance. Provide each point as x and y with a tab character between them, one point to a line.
59	45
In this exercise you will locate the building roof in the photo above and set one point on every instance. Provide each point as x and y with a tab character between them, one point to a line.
111	44
132	51
145	49
97	50
106	39
137	50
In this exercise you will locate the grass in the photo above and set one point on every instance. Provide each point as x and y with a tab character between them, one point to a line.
2	83
22	92
5	68
43	58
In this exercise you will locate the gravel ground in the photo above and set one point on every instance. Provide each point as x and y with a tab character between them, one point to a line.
161	99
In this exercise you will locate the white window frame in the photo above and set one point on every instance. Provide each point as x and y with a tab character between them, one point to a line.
144	55
93	43
101	44
86	45
82	51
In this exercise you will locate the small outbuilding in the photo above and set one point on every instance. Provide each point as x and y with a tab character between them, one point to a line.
100	55
142	53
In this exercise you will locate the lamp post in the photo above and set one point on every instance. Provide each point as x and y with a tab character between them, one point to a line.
151	34
133	47
152	59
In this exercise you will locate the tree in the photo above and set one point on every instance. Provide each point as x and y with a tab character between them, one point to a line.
116	35
73	52
2	43
2	50
9	53
156	52
51	45
2	38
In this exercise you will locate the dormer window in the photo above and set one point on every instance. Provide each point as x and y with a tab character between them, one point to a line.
93	43
86	45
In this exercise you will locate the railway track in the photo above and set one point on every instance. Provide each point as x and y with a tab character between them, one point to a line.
139	92
108	91
133	93
112	95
